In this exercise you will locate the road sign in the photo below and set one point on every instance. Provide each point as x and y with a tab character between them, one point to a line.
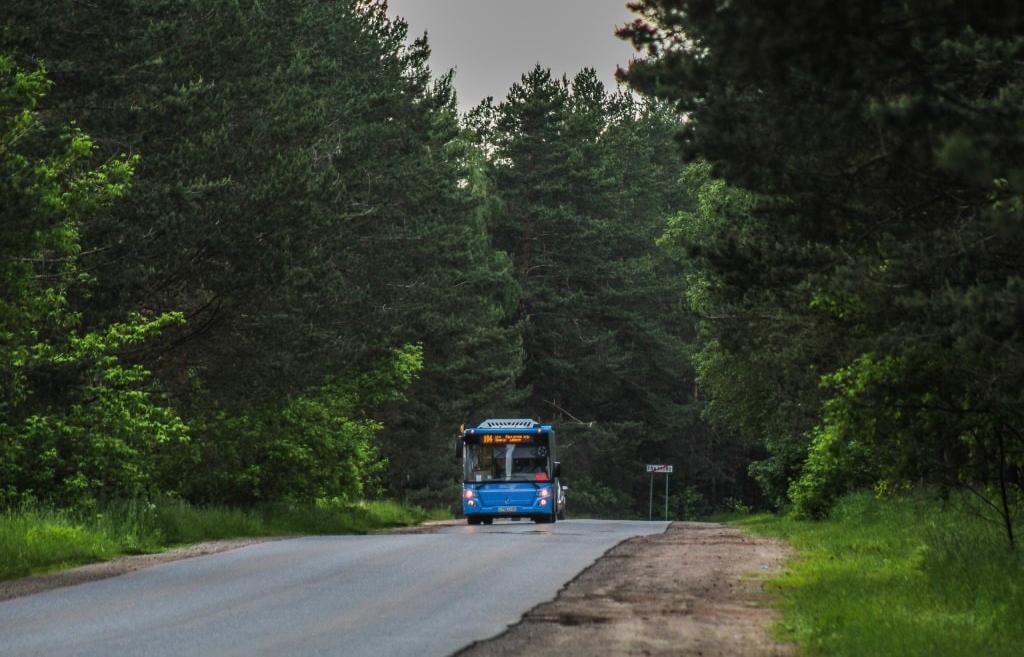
654	469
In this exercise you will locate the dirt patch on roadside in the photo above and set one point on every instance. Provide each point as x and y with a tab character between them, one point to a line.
693	591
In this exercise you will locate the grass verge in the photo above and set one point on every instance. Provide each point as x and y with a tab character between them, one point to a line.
35	540
911	576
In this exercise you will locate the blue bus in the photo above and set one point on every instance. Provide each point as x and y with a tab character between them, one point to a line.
509	471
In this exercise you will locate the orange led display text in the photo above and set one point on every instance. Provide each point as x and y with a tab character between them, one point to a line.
506	438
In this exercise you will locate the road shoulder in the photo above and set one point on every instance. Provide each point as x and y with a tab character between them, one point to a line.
695	590
33	584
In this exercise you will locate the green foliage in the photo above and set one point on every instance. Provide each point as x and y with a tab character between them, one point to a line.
908	575
754	353
35	540
77	421
689	504
473	350
309	200
878	239
588	498
319	444
887	424
585	178
837	461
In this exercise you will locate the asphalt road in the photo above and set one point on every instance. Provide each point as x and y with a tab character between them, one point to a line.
381	595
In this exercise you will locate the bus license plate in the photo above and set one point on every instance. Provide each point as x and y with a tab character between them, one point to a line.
506	508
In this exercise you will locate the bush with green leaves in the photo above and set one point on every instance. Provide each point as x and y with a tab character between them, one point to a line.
78	420
314	445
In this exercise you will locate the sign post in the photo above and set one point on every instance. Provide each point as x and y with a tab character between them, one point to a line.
650	499
667	473
654	469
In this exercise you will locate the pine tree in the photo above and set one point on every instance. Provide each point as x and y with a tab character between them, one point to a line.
307	197
881	144
585	182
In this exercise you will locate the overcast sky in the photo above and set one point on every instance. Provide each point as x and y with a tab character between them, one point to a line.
491	43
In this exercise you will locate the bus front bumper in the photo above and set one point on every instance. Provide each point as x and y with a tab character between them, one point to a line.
542	507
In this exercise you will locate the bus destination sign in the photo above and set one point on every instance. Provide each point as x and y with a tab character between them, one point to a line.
505	438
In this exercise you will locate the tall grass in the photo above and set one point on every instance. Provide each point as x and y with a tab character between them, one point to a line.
34	540
913	576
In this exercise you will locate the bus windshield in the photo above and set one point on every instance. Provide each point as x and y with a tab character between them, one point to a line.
506	462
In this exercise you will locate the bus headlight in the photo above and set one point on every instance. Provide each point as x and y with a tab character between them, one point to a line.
544	492
468	493
544	502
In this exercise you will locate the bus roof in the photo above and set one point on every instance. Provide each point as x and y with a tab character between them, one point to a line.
510	425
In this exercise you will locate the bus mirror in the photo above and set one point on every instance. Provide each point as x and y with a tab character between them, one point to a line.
558	469
458	449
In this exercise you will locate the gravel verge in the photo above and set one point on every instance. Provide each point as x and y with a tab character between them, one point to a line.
694	591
